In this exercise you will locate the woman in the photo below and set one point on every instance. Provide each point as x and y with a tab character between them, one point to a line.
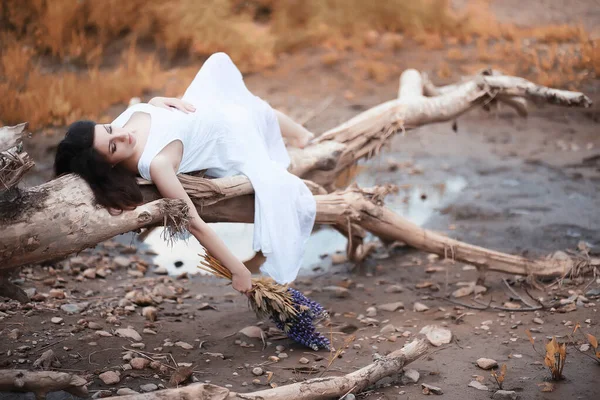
218	126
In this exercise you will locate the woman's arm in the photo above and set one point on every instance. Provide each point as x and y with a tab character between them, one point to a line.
172	102
164	177
296	134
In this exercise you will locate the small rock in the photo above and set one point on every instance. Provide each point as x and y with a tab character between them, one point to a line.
149	331
279	348
391	307
584	347
389	328
138	345
90	273
94	325
57	293
431	389
134	273
126	391
161	271
283	355
149	313
74	308
349	396
139	363
394	289
121	261
149	387
56	320
420	307
486	363
303	360
538	321
109	377
478	386
14	334
371	312
411	376
273	358
337	291
356	346
511	305
184	345
103	333
257	371
505	395
129	333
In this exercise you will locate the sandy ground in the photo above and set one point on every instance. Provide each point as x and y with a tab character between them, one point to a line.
529	186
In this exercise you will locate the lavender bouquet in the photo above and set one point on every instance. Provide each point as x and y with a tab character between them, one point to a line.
291	311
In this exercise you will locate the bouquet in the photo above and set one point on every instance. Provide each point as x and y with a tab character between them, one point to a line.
292	312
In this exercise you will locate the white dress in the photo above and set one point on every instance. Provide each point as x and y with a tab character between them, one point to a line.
234	132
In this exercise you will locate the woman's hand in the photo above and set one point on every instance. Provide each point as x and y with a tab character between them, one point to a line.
242	281
171	102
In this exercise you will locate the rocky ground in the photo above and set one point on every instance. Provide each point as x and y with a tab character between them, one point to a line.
529	186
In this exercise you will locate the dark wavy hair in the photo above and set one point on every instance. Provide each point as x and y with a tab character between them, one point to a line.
113	187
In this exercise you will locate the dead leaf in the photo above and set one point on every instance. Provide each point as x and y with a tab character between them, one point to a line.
546	386
528	332
180	375
593	341
556	354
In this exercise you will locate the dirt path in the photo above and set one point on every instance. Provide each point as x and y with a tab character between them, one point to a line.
529	186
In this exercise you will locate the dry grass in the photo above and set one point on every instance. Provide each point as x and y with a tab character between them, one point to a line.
68	59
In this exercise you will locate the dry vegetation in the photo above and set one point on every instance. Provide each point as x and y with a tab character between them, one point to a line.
69	59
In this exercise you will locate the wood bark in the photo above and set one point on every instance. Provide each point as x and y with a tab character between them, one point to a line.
14	162
58	218
42	382
312	389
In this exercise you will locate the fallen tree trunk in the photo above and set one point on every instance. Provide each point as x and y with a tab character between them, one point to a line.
58	218
41	382
312	389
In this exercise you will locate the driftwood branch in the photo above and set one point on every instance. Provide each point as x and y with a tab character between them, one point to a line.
312	389
41	382
58	218
14	162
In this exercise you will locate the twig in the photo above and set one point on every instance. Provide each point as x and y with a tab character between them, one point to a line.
458	303
499	308
348	392
150	358
516	295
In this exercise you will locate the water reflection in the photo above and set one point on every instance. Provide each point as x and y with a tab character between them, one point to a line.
416	202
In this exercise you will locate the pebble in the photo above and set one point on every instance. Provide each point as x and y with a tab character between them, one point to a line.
129	333
149	387
184	345
538	321
391	307
486	363
478	386
56	320
94	325
103	333
273	358
337	291
161	271
394	289
371	312
149	331
280	348
431	389
139	363
411	376
303	360
109	377
505	395
257	371
57	293
283	355
420	307
125	391
74	308
388	329
356	346
436	335
121	261
149	313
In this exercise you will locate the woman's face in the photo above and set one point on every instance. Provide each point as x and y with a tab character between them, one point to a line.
115	144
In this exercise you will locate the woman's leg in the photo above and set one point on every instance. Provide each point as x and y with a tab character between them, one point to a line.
295	134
